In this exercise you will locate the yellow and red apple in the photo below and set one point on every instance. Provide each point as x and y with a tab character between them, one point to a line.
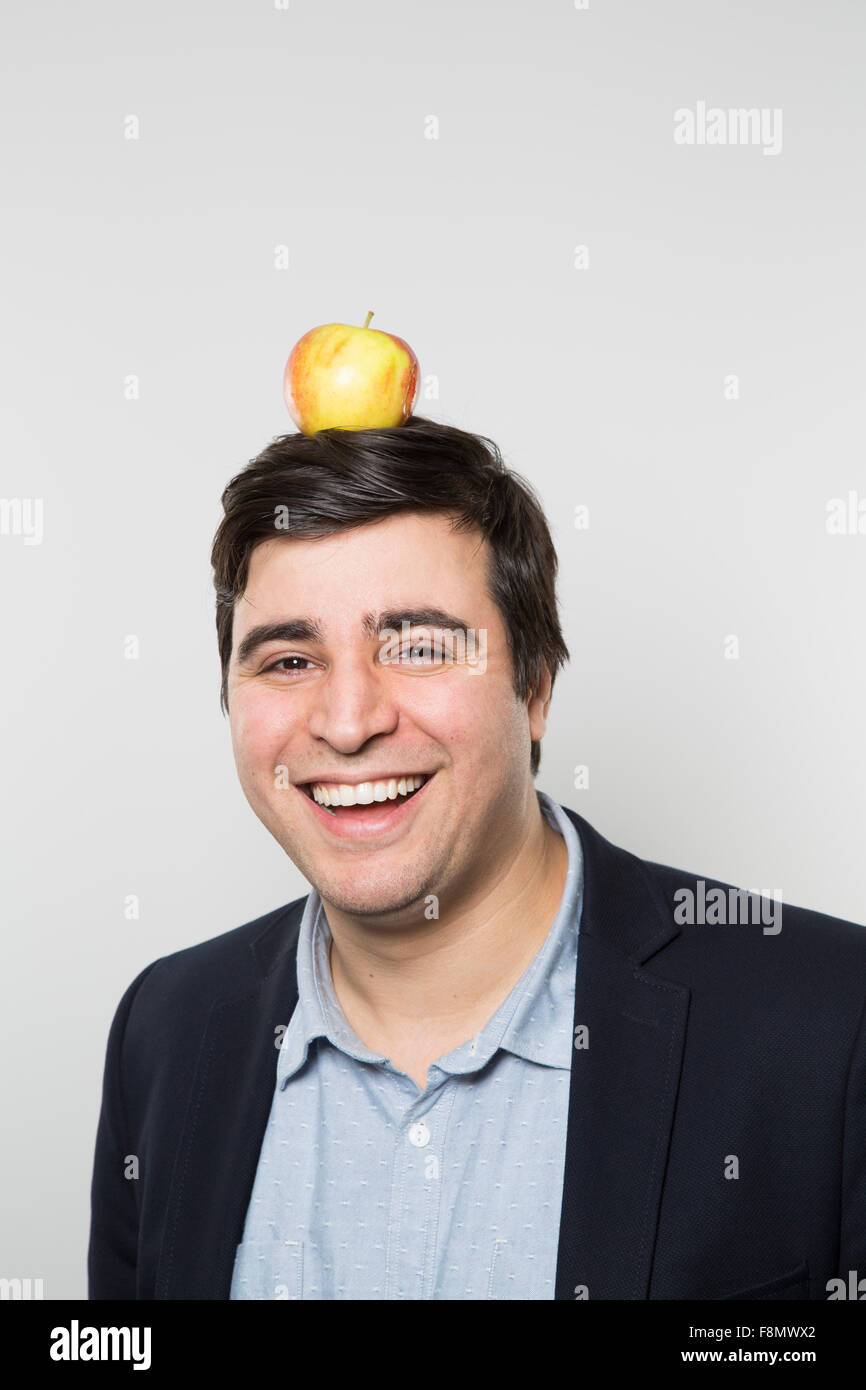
351	378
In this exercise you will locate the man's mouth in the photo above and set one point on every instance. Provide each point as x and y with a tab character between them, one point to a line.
344	799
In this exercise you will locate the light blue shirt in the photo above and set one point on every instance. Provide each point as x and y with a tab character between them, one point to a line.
367	1188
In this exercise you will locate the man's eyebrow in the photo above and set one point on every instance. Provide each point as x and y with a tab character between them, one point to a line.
310	630
291	630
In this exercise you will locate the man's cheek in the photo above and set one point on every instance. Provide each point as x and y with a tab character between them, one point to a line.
468	726
258	762
257	726
455	711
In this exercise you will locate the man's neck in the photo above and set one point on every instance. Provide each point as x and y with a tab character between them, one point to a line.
415	994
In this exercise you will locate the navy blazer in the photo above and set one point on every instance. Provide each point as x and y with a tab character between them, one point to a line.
705	1044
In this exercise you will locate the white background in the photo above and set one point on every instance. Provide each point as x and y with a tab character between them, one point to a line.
305	127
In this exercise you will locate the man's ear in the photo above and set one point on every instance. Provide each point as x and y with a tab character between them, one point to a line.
539	704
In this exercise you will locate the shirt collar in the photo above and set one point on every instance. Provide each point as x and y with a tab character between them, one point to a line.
534	1021
318	1013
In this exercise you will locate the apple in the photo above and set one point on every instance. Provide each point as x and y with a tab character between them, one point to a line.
343	377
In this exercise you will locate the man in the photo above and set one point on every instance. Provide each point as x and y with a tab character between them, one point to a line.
491	1055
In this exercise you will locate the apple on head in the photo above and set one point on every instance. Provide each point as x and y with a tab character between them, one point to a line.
343	377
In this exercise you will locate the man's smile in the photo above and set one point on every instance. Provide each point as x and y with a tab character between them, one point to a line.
358	810
364	791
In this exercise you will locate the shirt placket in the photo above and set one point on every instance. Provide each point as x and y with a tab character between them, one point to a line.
413	1219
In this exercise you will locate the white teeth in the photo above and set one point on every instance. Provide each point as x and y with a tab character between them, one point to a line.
331	794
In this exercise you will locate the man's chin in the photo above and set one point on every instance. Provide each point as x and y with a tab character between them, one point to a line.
390	904
381	891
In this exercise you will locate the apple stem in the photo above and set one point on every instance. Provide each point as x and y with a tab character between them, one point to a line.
368	318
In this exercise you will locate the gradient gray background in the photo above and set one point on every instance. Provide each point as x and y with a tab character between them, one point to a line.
305	127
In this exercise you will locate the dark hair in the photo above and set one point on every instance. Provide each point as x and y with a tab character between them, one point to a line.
338	479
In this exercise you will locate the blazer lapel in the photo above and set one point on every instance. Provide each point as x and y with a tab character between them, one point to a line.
228	1109
624	1080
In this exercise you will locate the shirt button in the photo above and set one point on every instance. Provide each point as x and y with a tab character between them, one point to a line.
419	1135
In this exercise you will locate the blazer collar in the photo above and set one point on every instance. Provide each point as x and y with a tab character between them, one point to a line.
624	1079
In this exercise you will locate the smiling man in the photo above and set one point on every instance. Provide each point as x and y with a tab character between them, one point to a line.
487	1056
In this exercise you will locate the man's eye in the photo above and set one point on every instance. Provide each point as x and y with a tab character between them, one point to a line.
276	665
425	651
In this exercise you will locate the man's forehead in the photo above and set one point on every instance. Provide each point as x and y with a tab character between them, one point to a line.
396	597
431	544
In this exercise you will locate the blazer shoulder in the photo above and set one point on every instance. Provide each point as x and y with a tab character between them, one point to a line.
803	927
226	965
636	904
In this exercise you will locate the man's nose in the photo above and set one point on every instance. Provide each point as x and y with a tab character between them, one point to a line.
351	704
